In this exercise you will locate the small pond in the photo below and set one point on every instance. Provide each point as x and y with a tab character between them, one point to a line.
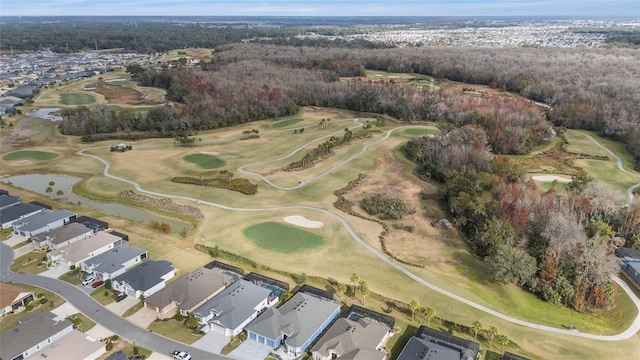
39	184
45	113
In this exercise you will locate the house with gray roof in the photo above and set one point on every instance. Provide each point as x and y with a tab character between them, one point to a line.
61	236
432	344
15	213
8	200
630	263
189	291
236	306
35	331
42	222
296	324
145	279
114	262
85	248
348	339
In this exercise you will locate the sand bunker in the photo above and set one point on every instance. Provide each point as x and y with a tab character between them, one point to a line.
303	222
551	178
21	162
210	152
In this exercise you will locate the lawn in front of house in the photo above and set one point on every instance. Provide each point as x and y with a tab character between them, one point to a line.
174	329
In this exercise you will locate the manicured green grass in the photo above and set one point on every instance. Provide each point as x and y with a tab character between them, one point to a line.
71	277
129	351
134	309
76	99
420	132
30	155
205	161
30	263
282	238
104	297
174	329
83	323
546	185
284	123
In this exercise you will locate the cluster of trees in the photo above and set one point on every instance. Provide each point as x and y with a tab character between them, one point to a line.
162	226
326	148
558	245
384	207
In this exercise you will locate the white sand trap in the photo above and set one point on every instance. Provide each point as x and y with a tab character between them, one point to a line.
303	222
21	162
210	152
551	178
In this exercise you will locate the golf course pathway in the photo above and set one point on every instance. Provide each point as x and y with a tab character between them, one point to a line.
620	166
629	332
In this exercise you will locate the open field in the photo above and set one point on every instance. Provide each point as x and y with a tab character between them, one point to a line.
448	262
278	237
30	155
76	99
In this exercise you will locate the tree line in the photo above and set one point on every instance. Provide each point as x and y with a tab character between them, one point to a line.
557	245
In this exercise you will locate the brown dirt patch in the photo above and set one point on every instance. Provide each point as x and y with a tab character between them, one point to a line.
424	245
120	95
30	132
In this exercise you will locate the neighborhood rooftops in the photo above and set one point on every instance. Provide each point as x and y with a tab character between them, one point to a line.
113	260
30	331
146	275
191	289
235	304
38	221
14	213
8	200
432	344
64	233
353	340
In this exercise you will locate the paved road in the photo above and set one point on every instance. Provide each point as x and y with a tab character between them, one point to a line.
634	328
620	166
96	312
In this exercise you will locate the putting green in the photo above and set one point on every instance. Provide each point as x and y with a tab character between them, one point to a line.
284	123
282	238
76	99
205	161
30	155
419	132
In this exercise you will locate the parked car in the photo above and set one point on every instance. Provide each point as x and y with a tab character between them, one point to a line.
97	284
88	280
121	297
181	355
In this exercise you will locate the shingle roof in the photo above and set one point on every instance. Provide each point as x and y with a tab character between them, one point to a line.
114	259
15	212
79	250
146	275
31	330
418	349
61	234
40	220
8	200
10	293
353	340
298	318
190	289
235	304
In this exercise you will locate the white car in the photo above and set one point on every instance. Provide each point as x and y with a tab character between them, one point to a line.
88	280
181	355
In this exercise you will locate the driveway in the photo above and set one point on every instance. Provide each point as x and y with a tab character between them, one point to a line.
55	272
212	342
143	317
120	307
250	350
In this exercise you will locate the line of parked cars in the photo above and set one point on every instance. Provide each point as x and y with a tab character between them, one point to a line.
90	279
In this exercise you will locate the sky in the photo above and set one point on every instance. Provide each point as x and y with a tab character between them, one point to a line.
321	8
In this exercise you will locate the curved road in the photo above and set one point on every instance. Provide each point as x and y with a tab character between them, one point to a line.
96	312
634	328
161	344
620	166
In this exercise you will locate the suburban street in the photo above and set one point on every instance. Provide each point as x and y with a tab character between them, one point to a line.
98	313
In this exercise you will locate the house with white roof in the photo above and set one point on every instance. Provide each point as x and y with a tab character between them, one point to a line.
84	249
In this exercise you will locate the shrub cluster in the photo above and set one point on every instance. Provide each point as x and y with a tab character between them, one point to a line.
384	208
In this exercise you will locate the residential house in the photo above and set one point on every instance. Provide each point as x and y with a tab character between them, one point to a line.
35	331
145	279
8	201
359	334
432	344
93	223
630	263
509	356
15	213
42	222
84	249
114	262
296	324
233	308
61	236
13	298
77	343
189	291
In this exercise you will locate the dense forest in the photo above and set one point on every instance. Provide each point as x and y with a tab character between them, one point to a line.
558	245
594	89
